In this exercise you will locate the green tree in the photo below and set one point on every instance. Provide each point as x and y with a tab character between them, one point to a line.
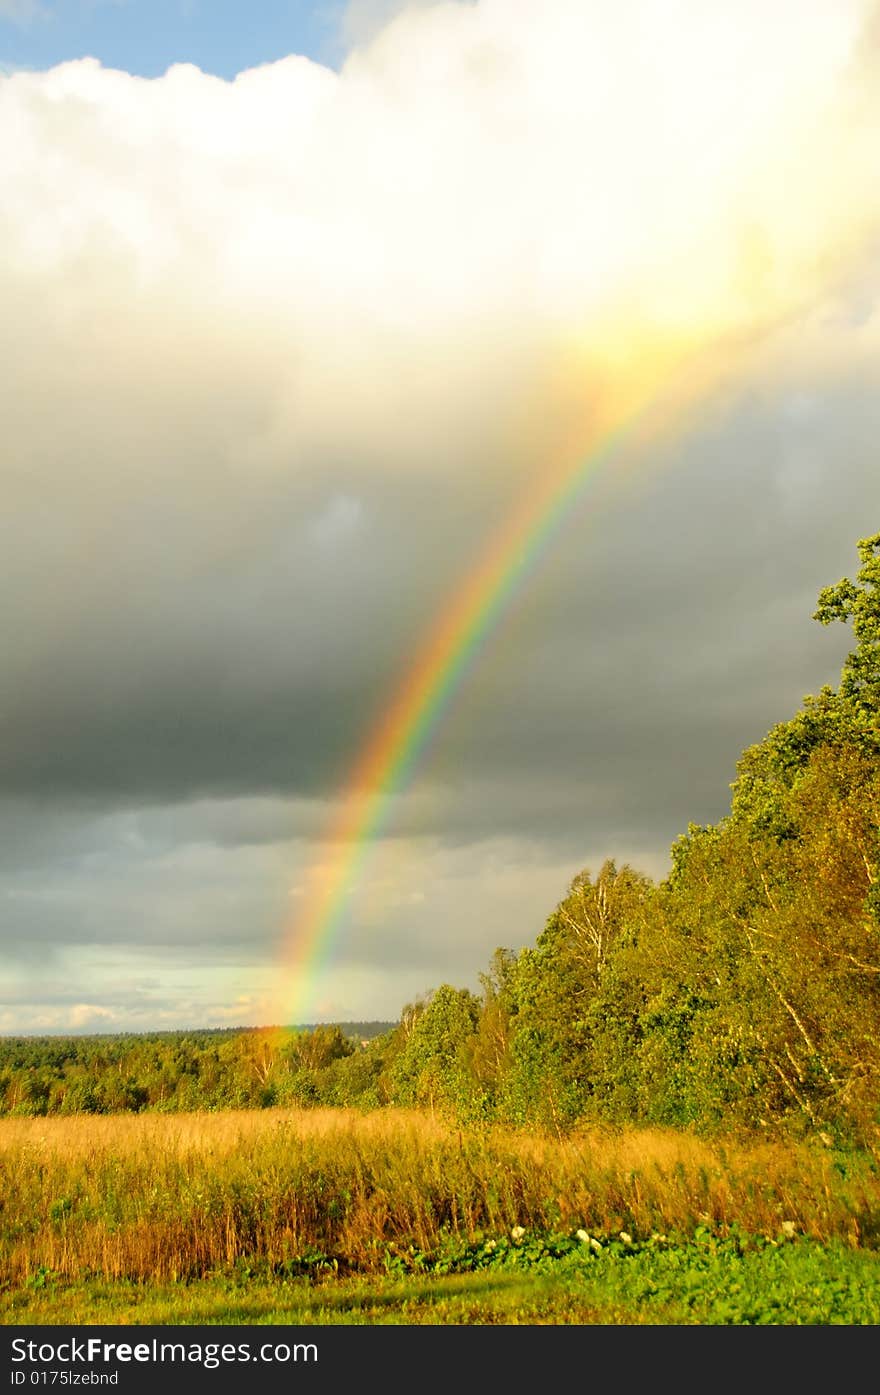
433	1066
556	985
490	1057
859	601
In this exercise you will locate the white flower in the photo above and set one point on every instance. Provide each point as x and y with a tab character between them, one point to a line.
517	1233
627	1239
490	1246
594	1245
583	1236
789	1229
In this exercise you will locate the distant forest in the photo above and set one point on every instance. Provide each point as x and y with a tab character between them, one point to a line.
743	991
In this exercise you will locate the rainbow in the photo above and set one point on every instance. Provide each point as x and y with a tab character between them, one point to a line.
458	635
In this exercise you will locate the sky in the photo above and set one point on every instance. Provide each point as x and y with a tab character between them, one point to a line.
299	301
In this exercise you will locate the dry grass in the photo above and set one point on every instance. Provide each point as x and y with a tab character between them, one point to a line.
179	1196
122	1134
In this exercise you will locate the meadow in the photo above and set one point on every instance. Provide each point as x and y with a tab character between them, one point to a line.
335	1215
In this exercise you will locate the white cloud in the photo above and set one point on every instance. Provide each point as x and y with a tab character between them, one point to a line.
362	20
477	175
89	1015
496	221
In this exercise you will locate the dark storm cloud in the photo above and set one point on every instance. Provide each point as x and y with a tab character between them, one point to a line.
654	640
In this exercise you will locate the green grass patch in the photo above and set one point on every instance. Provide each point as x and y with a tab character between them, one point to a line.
535	1280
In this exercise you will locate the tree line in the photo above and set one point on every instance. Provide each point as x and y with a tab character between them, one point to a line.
742	991
222	1068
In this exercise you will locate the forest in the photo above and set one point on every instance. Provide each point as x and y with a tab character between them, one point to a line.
741	992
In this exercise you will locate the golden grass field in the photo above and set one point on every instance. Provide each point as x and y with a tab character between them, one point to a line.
163	1198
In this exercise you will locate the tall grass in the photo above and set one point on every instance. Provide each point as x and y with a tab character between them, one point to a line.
172	1197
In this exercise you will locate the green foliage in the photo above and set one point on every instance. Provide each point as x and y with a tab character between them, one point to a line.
859	601
432	1066
549	1277
745	990
556	988
174	1071
738	1279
